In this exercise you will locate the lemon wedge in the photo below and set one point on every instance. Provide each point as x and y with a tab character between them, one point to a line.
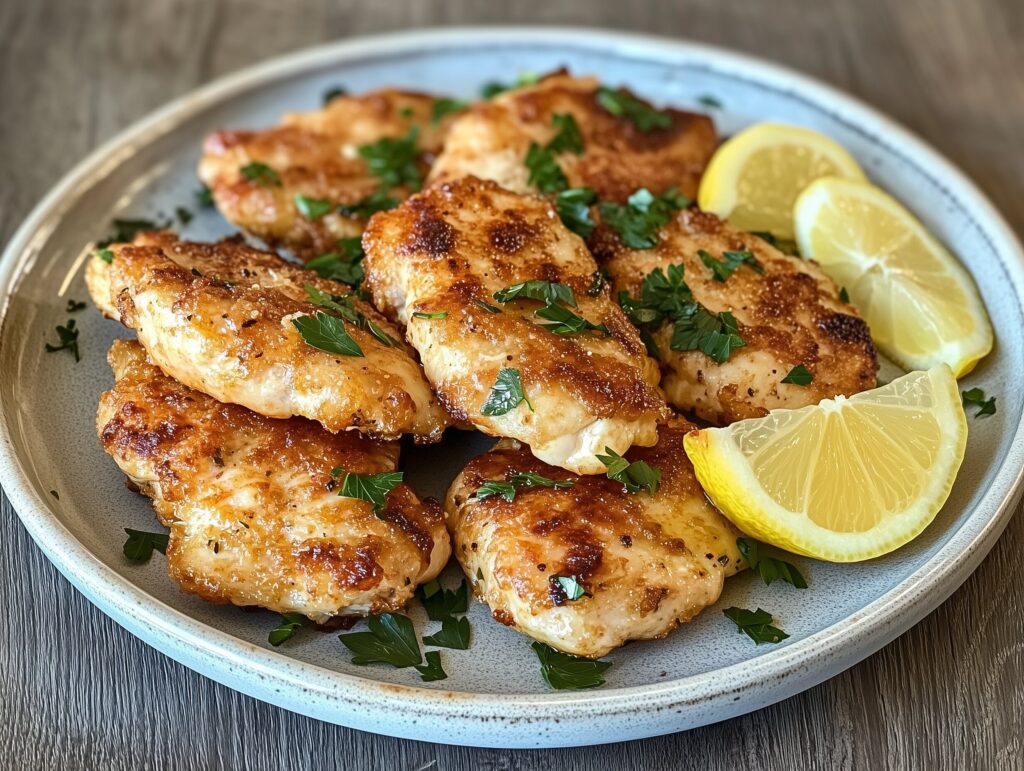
754	178
844	480
920	303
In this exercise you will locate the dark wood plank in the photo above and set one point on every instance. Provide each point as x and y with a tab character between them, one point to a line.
76	691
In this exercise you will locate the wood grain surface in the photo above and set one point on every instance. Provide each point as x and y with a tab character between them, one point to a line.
76	691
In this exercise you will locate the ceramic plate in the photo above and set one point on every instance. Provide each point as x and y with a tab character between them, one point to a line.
494	695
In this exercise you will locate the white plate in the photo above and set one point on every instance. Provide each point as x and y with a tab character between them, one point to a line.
494	696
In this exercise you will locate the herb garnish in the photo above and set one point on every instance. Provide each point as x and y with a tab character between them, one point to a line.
562	671
74	306
975	397
639	221
565	322
391	640
394	160
204	197
312	208
598	281
440	603
573	207
261	174
755	624
140	544
454	634
184	215
635	476
548	292
770	568
570	586
730	263
106	255
518	481
343	306
432	670
68	336
709	101
702	330
444	106
290	623
425	315
506	394
623	104
125	230
333	92
545	173
372	488
799	375
568	138
344	265
492	88
844	296
327	333
364	208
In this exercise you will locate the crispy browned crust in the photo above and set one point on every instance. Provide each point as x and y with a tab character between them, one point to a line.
455	245
649	562
491	139
315	155
790	315
252	504
217	317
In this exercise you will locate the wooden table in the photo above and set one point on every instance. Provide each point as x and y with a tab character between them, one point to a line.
76	691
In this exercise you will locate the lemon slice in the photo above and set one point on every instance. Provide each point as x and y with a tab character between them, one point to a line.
754	178
921	305
844	480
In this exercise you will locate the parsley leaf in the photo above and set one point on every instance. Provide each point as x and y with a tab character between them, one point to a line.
639	221
492	88
333	92
623	104
372	488
184	215
343	307
440	603
327	333
634	476
394	160
391	640
573	207
562	671
567	586
68	337
506	394
290	623
444	106
344	265
709	101
701	330
545	173
506	490
74	306
204	197
454	634
568	139
975	397
425	315
517	481
755	624
312	208
548	292
730	262
364	208
770	568
565	322
106	255
844	296
125	230
432	670
140	544
486	306
799	375
261	174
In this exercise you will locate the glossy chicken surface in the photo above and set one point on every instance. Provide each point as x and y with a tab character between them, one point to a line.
435	264
252	506
789	314
218	317
491	140
647	562
316	155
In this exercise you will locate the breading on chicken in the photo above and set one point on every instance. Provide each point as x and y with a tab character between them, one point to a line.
219	318
491	140
436	263
646	562
252	505
788	314
316	155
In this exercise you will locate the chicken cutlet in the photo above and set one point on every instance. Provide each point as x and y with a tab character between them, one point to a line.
356	154
587	566
788	315
622	142
515	331
224	318
252	504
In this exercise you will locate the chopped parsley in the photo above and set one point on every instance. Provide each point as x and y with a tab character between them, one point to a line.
506	490
568	138
425	315
570	586
565	322
184	215
140	544
74	306
68	340
731	261
506	394
486	306
372	488
623	104
290	623
518	481
441	603
562	671
548	292
432	670
644	214
394	160
844	296
545	173
364	208
573	207
312	208
106	255
343	306
769	568
261	174
635	476
755	624
701	330
454	634
204	197
799	375
327	333
445	106
492	88
125	230
333	92
345	265
391	640
709	101
975	397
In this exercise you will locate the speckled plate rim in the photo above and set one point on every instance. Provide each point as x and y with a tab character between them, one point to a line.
510	720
